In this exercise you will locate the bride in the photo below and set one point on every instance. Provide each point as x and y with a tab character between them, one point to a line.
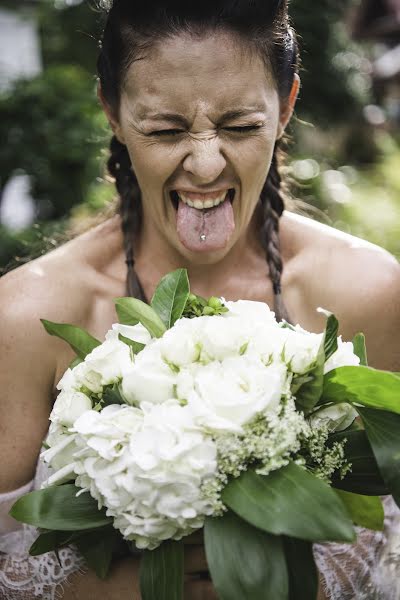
198	97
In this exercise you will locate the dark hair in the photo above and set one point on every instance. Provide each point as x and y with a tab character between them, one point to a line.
131	28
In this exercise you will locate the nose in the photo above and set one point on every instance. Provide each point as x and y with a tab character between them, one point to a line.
205	160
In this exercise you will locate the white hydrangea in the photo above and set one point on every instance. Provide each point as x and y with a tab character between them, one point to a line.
147	468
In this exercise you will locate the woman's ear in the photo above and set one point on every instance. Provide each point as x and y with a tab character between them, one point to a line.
287	107
114	123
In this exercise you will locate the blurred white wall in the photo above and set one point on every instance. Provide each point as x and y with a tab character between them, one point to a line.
20	57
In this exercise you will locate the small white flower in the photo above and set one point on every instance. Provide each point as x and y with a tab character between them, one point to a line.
301	349
257	313
106	364
335	416
69	406
137	333
150	379
343	357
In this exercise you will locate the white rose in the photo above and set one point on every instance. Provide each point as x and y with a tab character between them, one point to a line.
180	345
343	357
221	338
137	333
255	312
68	381
150	379
106	364
301	349
227	395
69	406
336	416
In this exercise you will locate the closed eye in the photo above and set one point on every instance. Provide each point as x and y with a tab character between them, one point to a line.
162	132
243	129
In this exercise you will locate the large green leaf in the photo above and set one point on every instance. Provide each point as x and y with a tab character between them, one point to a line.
161	572
290	502
303	575
360	349
363	385
97	549
365	477
331	334
59	508
170	297
81	342
365	511
131	310
244	562
309	394
383	430
51	540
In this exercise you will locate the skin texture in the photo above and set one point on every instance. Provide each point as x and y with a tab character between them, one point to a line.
201	79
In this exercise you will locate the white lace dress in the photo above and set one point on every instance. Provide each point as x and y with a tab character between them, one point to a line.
367	570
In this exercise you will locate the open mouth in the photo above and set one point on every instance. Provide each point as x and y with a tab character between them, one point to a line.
195	201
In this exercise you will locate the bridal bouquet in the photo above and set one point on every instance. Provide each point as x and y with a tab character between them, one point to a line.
210	414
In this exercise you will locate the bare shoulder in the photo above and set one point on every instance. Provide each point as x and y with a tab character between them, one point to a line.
63	284
357	280
66	285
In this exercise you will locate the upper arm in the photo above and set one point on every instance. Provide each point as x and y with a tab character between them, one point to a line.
26	379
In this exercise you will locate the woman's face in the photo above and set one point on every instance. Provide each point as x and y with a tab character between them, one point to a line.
200	117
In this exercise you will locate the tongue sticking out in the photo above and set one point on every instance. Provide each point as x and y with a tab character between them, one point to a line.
214	225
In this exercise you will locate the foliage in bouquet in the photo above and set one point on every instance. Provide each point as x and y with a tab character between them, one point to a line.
209	414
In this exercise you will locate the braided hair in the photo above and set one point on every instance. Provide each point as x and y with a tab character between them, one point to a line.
130	30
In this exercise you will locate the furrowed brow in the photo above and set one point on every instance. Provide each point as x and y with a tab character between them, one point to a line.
172	117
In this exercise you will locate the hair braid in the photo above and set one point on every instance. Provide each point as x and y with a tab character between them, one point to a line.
272	204
130	208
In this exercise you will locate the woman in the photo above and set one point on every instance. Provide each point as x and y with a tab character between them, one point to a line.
198	100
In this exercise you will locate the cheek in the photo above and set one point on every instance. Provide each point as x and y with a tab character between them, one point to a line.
152	165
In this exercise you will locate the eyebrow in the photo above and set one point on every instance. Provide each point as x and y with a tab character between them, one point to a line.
180	120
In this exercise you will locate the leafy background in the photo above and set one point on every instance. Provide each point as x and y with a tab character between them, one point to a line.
53	130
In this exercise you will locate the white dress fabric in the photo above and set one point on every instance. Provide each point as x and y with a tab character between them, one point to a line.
366	570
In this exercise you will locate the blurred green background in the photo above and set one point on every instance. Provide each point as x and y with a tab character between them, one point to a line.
343	156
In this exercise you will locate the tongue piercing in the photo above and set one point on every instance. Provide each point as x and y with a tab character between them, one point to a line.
203	237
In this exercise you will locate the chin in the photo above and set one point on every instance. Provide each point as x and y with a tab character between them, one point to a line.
201	256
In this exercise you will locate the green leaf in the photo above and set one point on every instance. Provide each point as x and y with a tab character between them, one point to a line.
303	575
360	349
136	347
77	361
309	393
365	511
331	334
290	502
383	433
170	297
132	309
244	562
81	342
112	395
97	549
363	385
50	540
365	477
161	572
58	508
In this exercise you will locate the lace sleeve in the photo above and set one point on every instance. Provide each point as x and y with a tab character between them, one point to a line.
368	569
24	577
